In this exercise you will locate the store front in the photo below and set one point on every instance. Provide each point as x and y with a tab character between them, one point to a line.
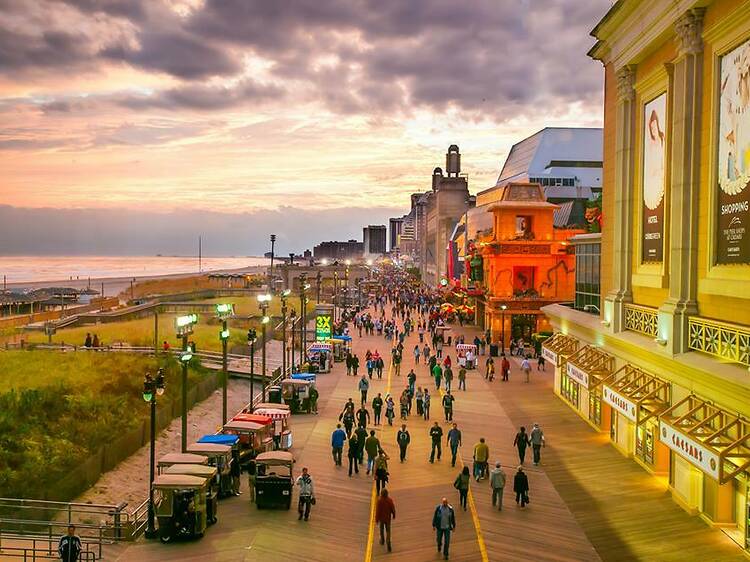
584	372
709	462
633	400
555	351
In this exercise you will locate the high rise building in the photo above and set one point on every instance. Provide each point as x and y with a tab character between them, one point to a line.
374	239
396	226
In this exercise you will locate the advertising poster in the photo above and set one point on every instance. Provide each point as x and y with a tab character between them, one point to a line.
733	239
654	147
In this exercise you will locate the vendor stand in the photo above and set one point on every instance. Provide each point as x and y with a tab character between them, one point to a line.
320	356
280	414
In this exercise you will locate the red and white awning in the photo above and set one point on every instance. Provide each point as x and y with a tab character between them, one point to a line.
273	414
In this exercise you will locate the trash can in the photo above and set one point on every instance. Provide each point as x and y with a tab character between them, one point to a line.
494	349
274	394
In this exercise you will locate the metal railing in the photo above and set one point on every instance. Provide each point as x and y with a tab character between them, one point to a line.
720	339
41	548
641	319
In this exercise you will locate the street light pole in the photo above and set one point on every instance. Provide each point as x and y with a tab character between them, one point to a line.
293	318
151	388
270	276
224	311
318	283
251	337
184	326
284	295
303	286
263	300
335	292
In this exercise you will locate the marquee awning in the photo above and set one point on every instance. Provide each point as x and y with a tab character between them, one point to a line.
712	439
589	366
636	394
559	346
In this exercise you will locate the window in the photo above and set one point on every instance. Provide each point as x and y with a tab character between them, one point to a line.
587	276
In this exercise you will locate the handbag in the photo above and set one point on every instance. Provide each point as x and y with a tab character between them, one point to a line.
312	500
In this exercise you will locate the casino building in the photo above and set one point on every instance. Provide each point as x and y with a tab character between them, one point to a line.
661	366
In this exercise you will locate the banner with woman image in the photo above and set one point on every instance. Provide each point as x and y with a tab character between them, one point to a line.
654	147
733	210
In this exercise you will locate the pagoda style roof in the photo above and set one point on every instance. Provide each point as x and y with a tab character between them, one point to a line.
522	194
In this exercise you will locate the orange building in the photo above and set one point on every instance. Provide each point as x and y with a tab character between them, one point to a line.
526	263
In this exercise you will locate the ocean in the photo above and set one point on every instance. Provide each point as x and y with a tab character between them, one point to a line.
34	269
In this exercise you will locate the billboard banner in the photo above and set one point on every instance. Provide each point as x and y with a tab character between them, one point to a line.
654	146
733	209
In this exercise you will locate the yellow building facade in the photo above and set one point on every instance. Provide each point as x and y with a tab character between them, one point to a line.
663	367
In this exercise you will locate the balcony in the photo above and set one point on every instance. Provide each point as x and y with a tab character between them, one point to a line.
720	339
642	319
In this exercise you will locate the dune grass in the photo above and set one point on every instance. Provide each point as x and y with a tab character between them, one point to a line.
57	408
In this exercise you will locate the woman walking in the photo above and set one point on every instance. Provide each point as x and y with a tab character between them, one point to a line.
521	487
390	409
461	483
381	471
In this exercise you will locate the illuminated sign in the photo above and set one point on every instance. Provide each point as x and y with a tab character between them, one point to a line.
689	449
323	328
187	320
224	310
619	403
578	375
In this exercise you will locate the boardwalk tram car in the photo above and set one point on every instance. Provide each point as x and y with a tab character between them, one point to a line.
280	414
219	456
296	393
274	480
172	459
255	434
209	474
180	504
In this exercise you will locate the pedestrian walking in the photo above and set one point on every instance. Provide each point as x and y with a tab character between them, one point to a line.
314	395
536	438
353	454
251	470
426	404
419	397
416	354
526	368
448	406
448	376
521	487
521	441
377	407
385	511
306	494
372	448
481	456
505	366
390	409
403	439
364	386
349	359
462	378
361	434
363	416
381	471
355	365
461	483
235	471
437	373
412	378
489	366
379	365
454	442
540	363
444	522
348	421
69	548
497	484
338	438
436	434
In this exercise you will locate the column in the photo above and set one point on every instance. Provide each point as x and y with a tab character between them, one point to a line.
686	83
622	219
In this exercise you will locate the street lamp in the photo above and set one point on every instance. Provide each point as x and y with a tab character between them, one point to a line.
304	286
318	283
293	319
284	296
324	261
335	292
251	338
503	308
184	326
223	312
270	275
263	301
151	388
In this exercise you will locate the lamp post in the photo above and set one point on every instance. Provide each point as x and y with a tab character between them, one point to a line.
346	285
270	275
263	301
318	283
184	325
151	388
335	293
293	318
251	337
284	296
303	287
223	312
503	307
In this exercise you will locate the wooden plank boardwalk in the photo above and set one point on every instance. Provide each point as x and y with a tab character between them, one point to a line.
547	530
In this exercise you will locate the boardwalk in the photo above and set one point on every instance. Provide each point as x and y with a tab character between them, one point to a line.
568	519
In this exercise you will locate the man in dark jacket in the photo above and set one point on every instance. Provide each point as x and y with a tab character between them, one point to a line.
69	547
377	407
353	454
403	439
363	417
436	433
521	487
444	522
361	435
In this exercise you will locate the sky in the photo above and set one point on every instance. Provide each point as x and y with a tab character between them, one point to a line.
132	126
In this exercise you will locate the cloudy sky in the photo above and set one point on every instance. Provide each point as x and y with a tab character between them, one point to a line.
312	112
